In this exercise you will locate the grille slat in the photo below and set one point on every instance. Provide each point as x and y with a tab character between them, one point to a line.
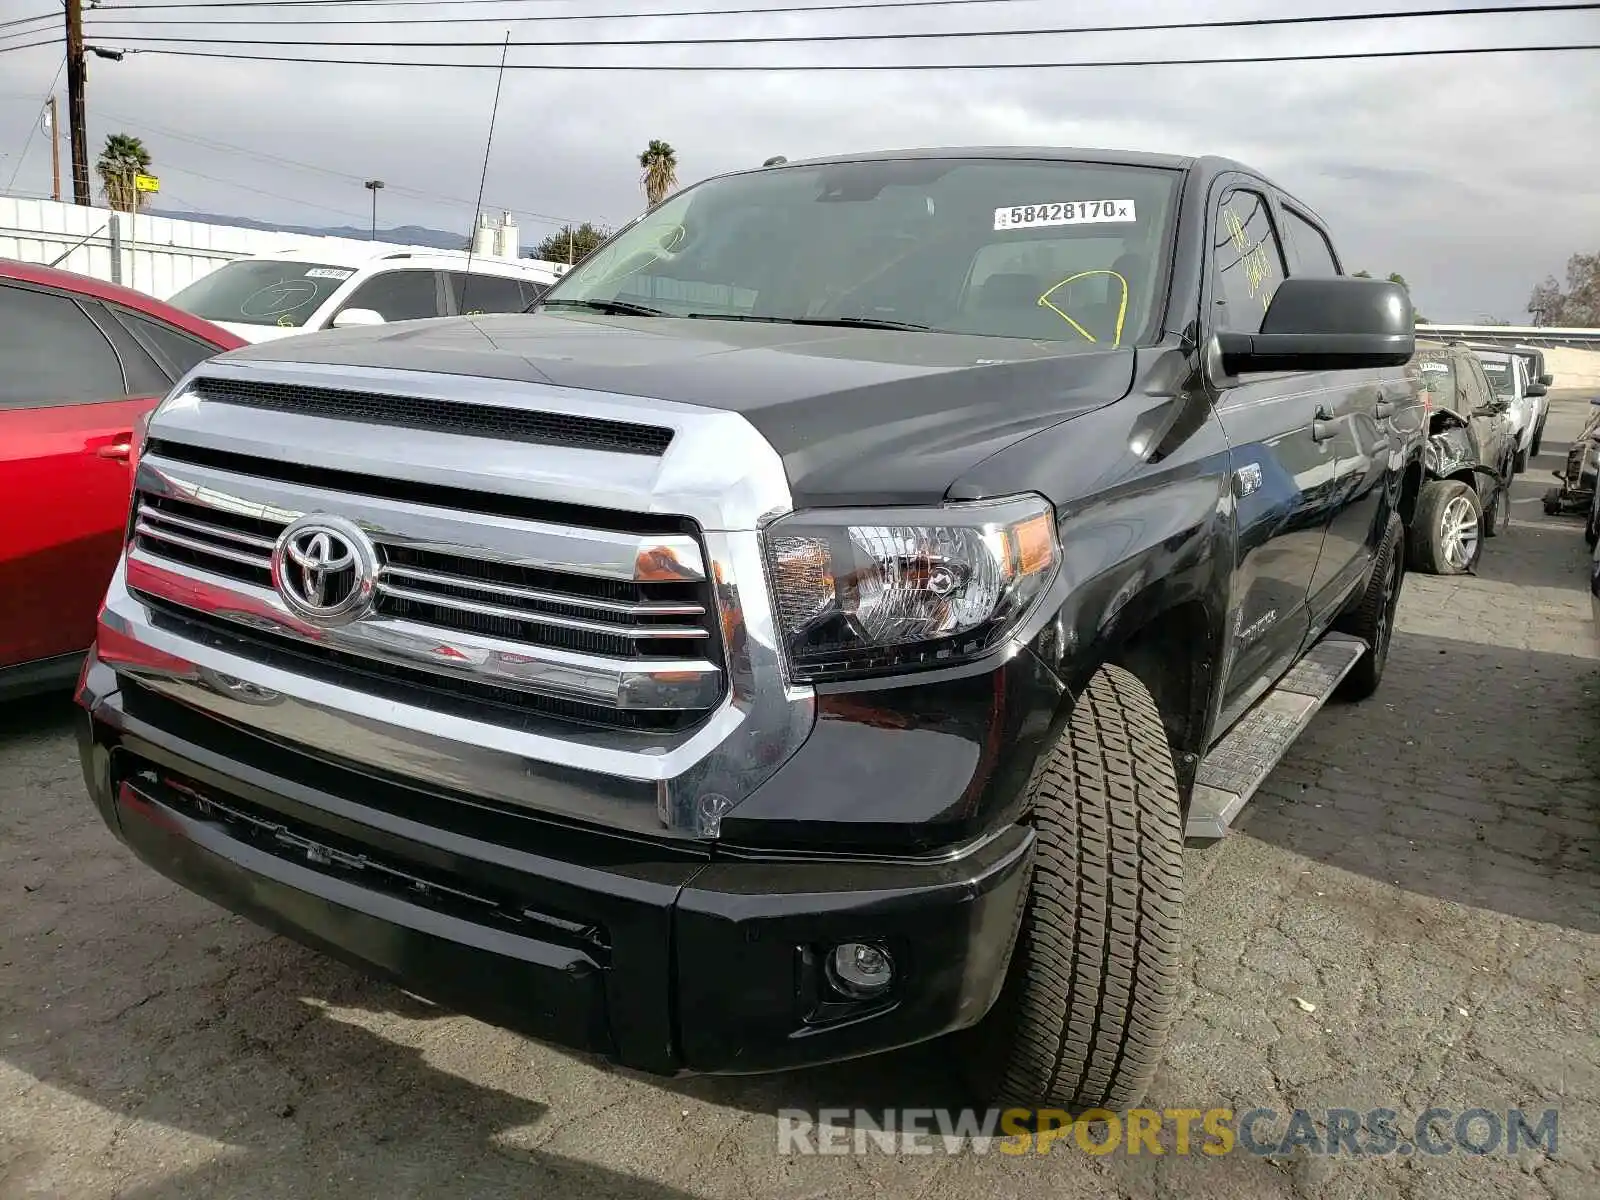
208	528
509	592
441	416
151	532
532	616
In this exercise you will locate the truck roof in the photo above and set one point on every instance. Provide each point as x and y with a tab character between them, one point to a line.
1209	164
1205	165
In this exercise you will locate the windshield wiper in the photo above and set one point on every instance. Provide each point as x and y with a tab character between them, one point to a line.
612	308
856	322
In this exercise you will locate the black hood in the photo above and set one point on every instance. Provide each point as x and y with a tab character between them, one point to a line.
860	416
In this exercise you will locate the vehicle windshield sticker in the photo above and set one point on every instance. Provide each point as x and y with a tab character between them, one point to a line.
1443	368
328	273
1070	212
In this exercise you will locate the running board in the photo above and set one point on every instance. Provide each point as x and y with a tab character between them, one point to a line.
1241	762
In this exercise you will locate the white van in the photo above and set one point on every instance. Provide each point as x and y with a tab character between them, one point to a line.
332	287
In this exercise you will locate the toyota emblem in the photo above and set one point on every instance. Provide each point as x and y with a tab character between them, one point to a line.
325	569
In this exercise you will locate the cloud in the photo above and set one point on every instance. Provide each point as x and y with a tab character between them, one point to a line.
1472	176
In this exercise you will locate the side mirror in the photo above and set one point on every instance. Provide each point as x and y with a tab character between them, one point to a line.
1327	324
1536	390
1547	379
351	317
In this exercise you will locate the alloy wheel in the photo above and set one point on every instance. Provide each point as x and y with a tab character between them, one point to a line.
1459	532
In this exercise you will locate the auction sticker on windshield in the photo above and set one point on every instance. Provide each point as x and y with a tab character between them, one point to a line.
328	273
1071	212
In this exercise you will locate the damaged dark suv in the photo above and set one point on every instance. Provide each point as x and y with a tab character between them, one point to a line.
1470	460
812	630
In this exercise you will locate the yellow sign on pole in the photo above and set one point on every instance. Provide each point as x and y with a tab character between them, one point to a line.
146	183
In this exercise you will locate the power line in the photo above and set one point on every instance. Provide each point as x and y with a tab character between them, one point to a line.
894	36
30	20
34	128
565	17
408	192
868	6
699	68
250	187
55	41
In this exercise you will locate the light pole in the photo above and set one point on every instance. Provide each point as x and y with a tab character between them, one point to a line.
374	186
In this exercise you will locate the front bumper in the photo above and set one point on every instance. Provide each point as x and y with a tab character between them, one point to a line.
659	956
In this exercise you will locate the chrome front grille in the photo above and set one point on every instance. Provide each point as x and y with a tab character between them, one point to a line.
603	624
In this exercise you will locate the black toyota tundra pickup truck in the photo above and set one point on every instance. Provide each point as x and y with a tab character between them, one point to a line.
812	630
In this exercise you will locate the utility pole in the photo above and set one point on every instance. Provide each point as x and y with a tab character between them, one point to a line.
55	150
75	108
373	185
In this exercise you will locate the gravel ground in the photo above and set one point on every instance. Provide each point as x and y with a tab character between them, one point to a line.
1423	870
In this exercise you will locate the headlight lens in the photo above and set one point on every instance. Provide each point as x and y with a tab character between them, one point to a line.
866	591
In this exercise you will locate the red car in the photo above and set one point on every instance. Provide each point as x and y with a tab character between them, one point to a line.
81	363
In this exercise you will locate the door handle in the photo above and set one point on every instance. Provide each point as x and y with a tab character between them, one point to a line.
119	450
1322	428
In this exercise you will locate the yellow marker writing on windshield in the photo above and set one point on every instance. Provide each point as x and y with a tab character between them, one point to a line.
1122	307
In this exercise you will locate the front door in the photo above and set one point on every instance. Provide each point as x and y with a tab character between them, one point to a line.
1357	405
1283	457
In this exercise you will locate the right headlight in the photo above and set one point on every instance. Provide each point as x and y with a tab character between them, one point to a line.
872	591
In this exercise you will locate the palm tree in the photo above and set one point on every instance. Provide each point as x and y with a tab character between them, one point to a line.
660	175
124	157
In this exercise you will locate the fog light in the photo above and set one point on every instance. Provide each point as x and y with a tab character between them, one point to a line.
860	969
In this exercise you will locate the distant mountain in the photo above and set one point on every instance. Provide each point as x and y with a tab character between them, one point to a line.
405	235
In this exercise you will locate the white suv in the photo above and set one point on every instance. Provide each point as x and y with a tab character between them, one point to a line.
1508	375
335	286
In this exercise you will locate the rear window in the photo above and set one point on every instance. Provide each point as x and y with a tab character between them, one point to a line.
255	291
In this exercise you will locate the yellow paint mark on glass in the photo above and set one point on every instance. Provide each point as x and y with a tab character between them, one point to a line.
1122	307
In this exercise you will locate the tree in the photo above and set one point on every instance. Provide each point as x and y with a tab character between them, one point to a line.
1579	305
660	174
123	158
568	245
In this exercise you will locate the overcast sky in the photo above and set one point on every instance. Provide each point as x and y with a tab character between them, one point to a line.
1474	176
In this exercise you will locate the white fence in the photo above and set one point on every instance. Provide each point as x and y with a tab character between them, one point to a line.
157	255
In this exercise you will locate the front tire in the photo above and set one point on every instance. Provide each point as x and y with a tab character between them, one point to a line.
1591	527
1446	531
1093	984
1538	437
1372	620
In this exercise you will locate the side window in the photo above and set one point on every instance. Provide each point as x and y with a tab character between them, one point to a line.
53	353
491	293
1310	252
1247	262
399	295
174	350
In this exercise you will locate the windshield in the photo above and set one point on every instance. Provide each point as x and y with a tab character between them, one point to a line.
1500	375
254	291
1011	248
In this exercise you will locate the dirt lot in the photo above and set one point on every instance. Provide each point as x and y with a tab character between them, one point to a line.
1424	870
